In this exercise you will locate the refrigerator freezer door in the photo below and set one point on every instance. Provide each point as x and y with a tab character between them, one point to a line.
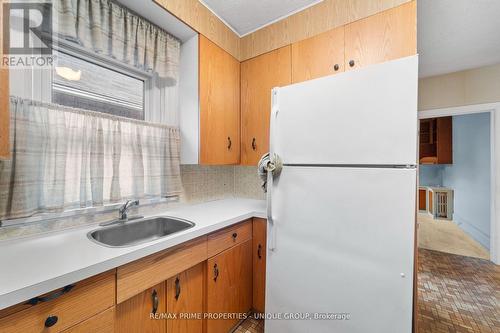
366	116
344	244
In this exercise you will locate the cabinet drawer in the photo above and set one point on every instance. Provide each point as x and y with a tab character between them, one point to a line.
224	239
134	278
104	322
86	299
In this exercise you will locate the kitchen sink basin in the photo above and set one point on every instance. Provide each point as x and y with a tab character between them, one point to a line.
138	231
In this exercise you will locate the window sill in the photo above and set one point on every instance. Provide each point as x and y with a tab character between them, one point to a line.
80	212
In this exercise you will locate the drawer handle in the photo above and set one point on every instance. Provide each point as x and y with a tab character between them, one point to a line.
57	294
51	321
259	251
254	144
336	67
235	234
351	63
154	297
229	143
177	288
216	272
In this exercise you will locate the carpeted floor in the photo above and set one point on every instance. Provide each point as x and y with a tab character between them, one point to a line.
456	294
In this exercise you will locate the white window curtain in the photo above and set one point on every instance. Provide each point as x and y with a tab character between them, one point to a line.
64	158
112	30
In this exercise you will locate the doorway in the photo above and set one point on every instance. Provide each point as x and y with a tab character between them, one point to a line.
454	194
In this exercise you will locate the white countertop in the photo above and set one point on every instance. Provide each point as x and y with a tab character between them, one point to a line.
37	265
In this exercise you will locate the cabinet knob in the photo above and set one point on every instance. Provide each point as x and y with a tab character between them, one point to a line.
336	67
235	234
177	288
51	321
229	143
254	144
351	63
216	272
154	298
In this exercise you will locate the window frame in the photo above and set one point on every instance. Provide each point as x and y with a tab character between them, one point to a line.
36	84
45	76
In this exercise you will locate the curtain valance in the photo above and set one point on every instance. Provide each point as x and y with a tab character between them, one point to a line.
65	158
113	30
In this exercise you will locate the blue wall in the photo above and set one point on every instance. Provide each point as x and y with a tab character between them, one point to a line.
431	175
468	176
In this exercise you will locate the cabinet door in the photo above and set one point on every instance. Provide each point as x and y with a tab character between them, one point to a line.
229	286
318	56
258	76
185	296
259	264
444	140
134	315
385	36
219	87
4	101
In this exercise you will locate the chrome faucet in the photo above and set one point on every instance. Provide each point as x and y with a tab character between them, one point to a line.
123	211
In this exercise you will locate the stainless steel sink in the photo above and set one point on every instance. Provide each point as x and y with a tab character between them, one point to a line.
138	231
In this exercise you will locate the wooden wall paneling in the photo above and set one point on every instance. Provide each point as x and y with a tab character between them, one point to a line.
318	56
219	91
258	76
312	21
385	36
201	19
4	98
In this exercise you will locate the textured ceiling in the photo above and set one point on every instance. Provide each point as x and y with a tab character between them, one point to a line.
246	16
455	35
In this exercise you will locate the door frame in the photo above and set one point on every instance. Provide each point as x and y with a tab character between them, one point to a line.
494	110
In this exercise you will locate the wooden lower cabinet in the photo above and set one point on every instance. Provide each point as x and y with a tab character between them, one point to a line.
185	297
134	314
229	286
422	199
63	308
120	300
259	264
103	322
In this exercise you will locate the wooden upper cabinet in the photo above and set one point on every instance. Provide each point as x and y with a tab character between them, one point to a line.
318	56
384	36
436	141
219	91
4	101
258	76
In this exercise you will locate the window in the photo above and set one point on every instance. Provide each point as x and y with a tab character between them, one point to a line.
84	84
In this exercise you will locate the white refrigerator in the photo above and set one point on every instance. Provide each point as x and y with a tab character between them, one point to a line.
341	213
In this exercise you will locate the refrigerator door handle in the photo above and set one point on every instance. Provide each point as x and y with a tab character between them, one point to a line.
272	232
273	169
